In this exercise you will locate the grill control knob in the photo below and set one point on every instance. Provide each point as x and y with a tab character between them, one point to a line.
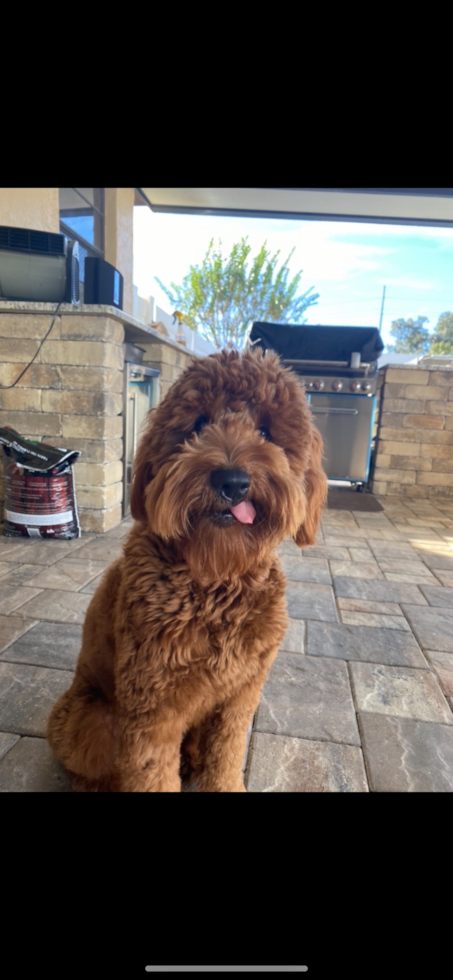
309	384
355	385
337	385
366	386
318	385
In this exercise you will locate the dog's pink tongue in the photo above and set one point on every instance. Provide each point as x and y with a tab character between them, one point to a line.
244	512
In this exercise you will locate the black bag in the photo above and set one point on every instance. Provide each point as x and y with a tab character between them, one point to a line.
40	498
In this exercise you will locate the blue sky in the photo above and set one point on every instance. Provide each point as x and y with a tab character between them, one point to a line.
347	264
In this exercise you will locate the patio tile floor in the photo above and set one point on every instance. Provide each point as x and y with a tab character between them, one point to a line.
360	697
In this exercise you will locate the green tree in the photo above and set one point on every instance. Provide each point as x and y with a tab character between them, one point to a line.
223	296
411	336
442	338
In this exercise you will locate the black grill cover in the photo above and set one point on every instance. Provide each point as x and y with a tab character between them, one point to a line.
318	343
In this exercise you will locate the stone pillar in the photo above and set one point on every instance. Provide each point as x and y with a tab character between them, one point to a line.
118	237
30	207
414	455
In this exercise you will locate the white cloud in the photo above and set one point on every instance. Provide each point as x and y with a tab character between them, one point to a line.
165	245
409	282
336	261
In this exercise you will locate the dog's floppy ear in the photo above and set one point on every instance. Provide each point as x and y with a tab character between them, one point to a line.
142	474
316	494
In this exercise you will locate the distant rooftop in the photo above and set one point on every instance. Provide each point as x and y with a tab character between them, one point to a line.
433	360
397	359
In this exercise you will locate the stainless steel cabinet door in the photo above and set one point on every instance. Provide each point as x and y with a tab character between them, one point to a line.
345	423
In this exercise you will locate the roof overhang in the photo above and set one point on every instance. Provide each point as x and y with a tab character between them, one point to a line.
394	205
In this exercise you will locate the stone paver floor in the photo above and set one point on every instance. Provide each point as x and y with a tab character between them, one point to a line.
360	697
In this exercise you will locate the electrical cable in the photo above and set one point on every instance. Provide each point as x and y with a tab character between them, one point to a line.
37	352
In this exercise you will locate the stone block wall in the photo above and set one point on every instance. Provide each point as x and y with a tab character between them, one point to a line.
168	360
71	396
414	445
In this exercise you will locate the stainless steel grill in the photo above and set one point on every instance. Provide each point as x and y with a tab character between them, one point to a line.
340	385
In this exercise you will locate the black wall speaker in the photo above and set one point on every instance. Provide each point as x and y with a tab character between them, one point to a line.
103	283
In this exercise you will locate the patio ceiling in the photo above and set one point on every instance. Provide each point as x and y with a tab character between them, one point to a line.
396	205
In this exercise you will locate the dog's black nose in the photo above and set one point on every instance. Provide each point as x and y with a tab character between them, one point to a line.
231	485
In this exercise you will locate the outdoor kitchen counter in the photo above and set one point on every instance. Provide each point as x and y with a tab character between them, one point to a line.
134	330
71	391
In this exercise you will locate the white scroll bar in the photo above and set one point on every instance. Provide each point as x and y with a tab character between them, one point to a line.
226	969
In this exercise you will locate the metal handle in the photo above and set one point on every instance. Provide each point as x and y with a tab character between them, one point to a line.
133	398
292	360
327	364
334	411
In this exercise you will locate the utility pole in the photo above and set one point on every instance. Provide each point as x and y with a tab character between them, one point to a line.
382	310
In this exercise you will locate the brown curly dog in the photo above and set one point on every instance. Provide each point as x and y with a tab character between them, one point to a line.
180	635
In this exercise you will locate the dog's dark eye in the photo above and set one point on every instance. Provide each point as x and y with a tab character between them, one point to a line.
264	432
201	421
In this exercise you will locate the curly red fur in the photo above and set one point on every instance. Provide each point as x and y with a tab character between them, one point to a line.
180	635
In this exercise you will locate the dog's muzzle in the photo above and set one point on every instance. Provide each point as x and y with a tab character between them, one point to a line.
232	487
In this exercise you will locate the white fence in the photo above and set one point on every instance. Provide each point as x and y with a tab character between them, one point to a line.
150	313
